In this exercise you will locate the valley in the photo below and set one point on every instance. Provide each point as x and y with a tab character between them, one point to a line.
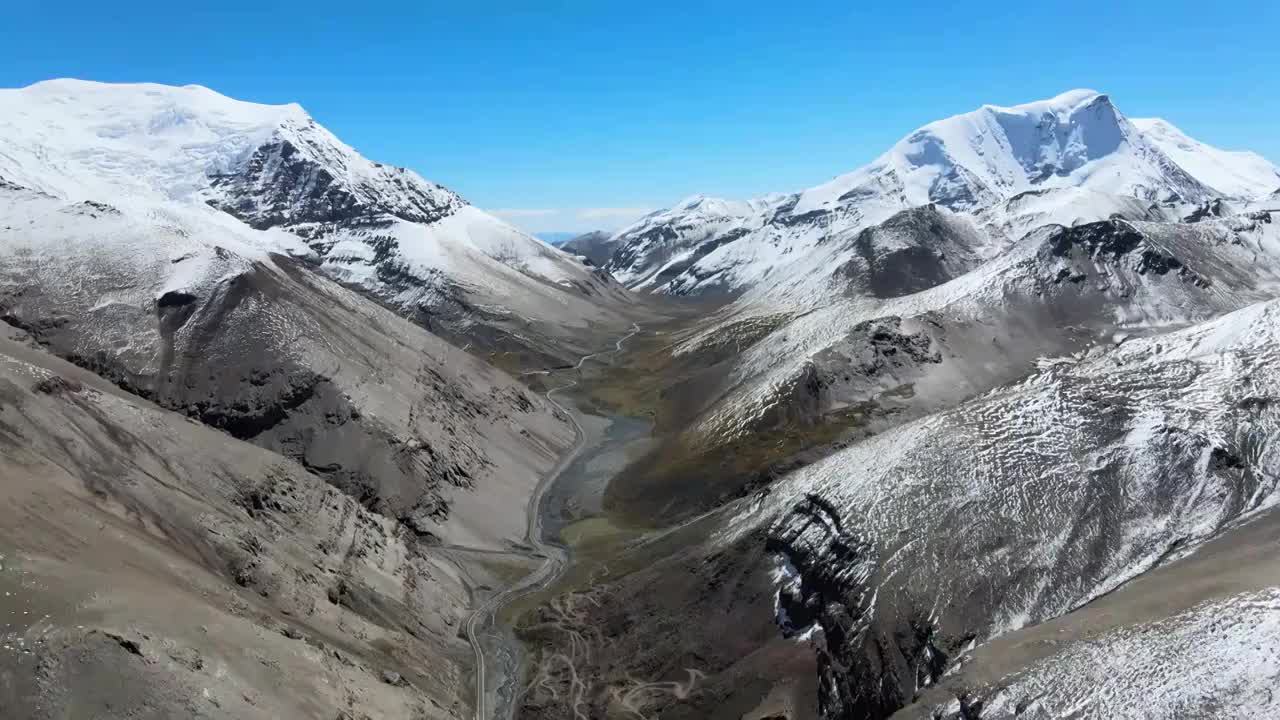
554	558
983	429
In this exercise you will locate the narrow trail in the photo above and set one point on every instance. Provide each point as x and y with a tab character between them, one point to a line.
555	559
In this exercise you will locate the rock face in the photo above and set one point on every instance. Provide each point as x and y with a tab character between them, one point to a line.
288	182
912	251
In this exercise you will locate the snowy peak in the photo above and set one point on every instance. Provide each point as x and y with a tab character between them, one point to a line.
1066	102
719	207
76	138
1235	174
1077	139
1058	137
271	175
270	165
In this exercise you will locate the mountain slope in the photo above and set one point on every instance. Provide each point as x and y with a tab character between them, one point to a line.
1068	484
1195	637
264	348
594	246
1055	289
215	398
154	567
1236	175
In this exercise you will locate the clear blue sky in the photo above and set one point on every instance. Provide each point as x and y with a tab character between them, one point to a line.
572	106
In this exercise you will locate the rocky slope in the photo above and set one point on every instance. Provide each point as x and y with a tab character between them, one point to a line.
155	567
1193	638
1054	491
262	347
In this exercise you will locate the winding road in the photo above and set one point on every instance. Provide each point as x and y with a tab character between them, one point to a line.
554	558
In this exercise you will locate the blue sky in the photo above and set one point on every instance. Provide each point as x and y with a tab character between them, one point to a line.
572	115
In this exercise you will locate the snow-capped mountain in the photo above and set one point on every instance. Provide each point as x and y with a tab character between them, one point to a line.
272	174
1077	139
1076	155
658	248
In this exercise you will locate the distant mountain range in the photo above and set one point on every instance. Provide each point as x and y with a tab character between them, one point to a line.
555	239
1004	169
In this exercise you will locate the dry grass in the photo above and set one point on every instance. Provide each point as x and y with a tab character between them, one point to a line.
648	380
684	476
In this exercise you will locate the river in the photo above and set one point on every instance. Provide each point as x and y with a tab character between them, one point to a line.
571	491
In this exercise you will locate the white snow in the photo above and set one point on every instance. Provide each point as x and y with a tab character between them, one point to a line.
1218	659
86	140
1236	174
1077	139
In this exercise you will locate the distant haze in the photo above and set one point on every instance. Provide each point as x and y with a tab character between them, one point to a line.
556	238
570	221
